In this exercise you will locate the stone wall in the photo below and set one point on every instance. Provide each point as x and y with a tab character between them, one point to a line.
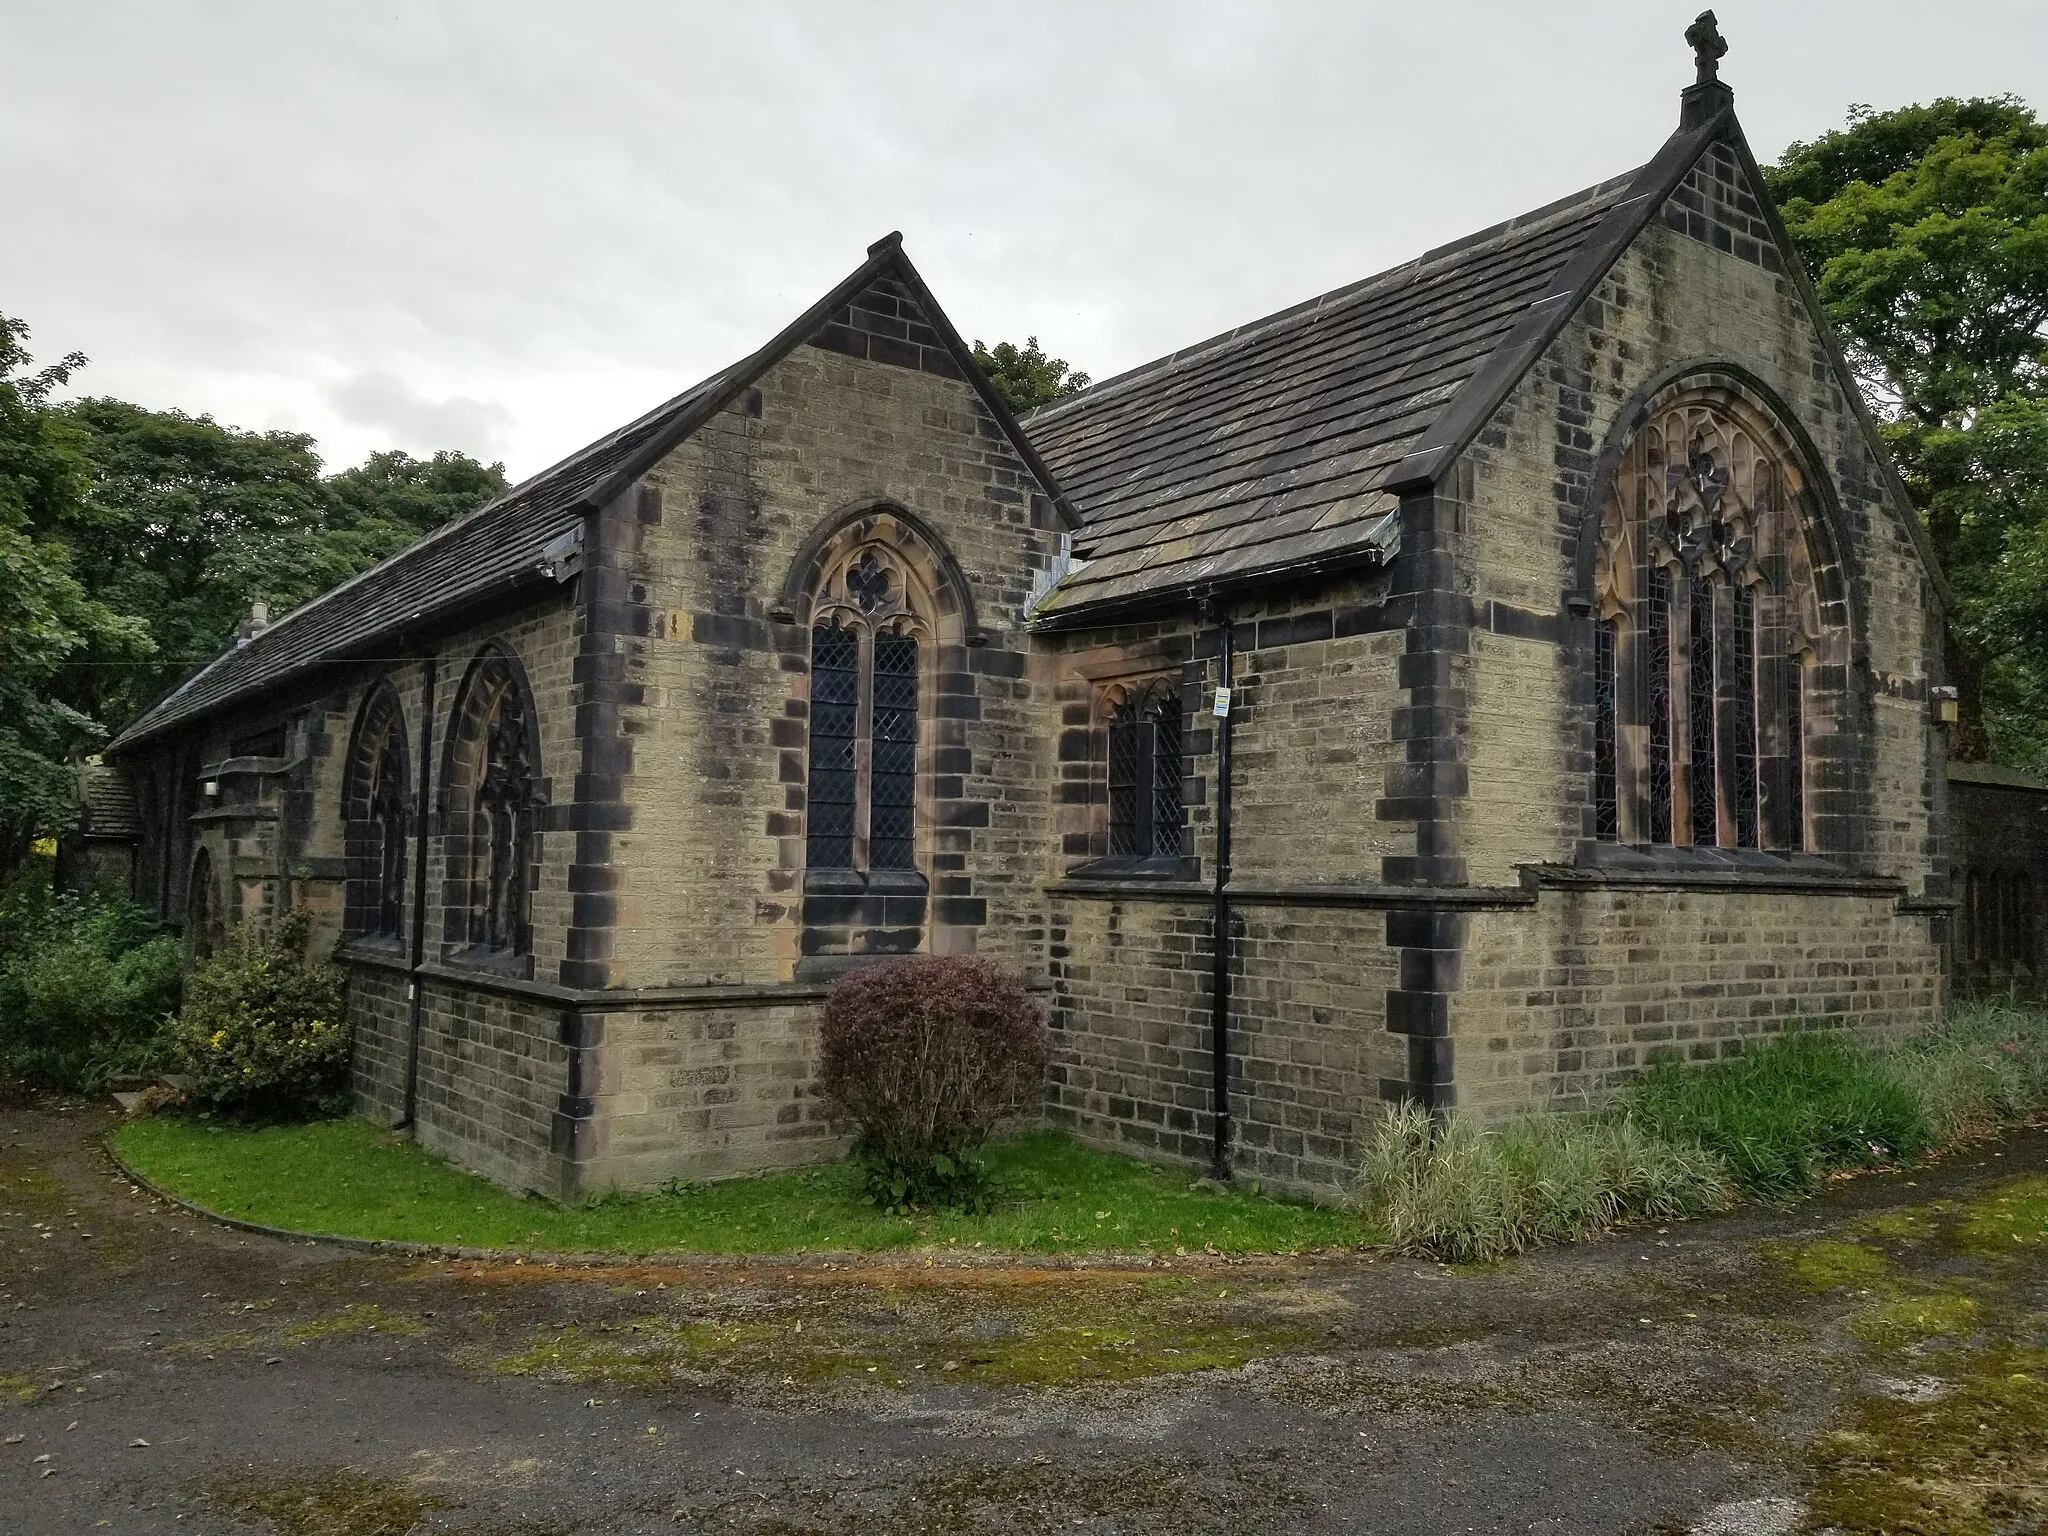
702	1089
1133	1069
1561	1003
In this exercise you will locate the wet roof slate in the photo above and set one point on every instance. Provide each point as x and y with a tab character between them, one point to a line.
1273	445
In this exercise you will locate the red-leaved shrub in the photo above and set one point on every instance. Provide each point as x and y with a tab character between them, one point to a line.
925	1056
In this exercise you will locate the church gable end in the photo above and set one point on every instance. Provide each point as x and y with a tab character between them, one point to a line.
884	323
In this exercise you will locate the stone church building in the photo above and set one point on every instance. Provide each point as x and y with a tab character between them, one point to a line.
1468	686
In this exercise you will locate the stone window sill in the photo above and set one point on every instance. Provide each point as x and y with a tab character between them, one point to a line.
1157	867
492	962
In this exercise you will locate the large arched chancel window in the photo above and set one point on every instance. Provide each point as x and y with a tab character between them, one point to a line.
1708	632
868	633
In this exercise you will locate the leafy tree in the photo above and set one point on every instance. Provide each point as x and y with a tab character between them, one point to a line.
1024	377
389	500
48	621
192	520
1927	231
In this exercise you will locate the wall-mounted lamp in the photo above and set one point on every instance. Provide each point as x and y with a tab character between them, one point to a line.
1947	703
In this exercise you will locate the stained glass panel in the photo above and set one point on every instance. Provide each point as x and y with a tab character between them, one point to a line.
1795	752
1699	709
1657	660
1743	728
1127	780
1606	815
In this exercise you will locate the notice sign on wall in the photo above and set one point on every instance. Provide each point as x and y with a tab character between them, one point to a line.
1222	705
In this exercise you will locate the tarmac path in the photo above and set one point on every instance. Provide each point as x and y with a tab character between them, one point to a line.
1871	1360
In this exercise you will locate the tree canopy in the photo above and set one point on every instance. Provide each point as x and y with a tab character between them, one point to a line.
1926	230
1024	377
132	542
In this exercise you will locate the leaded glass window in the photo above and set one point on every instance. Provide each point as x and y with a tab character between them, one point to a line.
835	706
1605	817
1707	596
495	792
1658	662
861	802
503	802
892	829
1145	802
387	814
1699	709
374	818
1742	717
1795	728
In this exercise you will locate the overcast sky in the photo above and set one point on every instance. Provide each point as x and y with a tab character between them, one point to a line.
507	227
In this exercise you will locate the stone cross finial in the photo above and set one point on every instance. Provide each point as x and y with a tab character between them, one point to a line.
1708	46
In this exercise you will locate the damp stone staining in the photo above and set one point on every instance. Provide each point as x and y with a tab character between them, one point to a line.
1462	689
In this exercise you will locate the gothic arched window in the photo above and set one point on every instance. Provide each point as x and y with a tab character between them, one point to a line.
867	625
1706	621
494	795
1145	811
374	818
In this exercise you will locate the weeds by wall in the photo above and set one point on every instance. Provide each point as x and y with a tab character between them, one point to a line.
1682	1142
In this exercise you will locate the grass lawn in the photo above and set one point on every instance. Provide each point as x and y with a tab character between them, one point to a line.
350	1178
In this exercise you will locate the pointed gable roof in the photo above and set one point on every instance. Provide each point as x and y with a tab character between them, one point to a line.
1279	450
530	537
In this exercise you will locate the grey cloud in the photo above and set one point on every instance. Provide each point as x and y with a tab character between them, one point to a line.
575	211
390	405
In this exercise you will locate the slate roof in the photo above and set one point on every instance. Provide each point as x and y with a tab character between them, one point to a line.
106	802
1273	446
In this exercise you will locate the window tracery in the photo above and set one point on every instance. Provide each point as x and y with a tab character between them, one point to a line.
1705	611
495	791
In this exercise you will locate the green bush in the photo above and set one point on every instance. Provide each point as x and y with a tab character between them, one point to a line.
926	1056
263	1034
1784	1114
1450	1190
86	985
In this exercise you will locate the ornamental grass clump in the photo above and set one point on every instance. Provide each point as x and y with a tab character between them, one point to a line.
1449	1190
264	1034
1785	1114
1982	1069
926	1057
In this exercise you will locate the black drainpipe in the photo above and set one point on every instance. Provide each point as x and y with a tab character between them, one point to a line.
1219	987
422	815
